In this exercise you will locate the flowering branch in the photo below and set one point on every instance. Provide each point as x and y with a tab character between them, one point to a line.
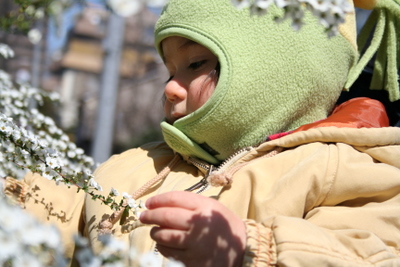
24	150
330	13
31	141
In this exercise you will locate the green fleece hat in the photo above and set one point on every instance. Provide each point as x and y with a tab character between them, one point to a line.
272	78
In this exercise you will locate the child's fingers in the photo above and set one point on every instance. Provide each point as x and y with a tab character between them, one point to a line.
169	252
171	238
186	200
173	218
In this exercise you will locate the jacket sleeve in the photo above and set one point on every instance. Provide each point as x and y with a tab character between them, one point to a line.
354	222
50	203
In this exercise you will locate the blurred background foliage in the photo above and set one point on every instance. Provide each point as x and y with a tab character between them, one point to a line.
19	15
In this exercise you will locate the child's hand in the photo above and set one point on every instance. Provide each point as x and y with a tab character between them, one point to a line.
196	230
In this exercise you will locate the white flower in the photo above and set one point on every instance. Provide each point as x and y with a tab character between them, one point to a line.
49	174
132	203
34	236
53	162
71	154
26	242
52	238
6	51
8	245
327	19
16	134
132	253
260	7
317	6
112	244
27	260
125	8
126	195
86	258
41	167
240	4
6	129
95	185
263	4
54	96
72	146
34	36
39	14
11	148
150	260
114	192
30	10
81	241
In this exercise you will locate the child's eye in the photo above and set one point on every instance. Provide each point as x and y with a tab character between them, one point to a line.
196	65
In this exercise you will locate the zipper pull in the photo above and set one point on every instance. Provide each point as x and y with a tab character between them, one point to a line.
203	182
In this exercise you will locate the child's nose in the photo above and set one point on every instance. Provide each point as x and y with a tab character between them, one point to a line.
174	91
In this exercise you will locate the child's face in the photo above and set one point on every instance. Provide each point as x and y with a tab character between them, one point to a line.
191	81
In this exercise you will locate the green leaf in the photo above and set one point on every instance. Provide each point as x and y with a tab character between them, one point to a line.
124	216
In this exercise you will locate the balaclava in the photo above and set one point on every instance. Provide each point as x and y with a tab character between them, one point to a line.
272	78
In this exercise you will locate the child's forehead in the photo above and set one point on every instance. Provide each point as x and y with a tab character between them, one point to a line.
178	42
174	45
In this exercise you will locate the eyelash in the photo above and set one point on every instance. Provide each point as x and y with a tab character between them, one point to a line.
196	65
192	66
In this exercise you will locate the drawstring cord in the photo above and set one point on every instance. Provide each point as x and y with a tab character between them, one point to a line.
214	179
106	225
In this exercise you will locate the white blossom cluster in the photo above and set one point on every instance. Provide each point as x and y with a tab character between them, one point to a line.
30	140
23	124
135	207
26	242
115	253
5	51
112	254
330	13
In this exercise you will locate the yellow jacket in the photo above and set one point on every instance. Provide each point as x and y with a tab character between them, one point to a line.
321	197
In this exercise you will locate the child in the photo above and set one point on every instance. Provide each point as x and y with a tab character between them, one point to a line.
270	179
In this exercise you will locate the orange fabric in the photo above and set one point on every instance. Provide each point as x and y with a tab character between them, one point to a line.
365	4
356	113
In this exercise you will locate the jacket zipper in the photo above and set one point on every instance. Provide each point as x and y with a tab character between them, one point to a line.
209	168
202	185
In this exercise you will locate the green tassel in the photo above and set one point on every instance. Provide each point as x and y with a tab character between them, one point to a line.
383	23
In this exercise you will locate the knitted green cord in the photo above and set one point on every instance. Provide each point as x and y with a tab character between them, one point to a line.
384	24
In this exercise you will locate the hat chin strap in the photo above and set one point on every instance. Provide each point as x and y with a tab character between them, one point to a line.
183	145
